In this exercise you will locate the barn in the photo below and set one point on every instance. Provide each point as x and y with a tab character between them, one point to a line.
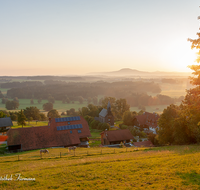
116	137
60	132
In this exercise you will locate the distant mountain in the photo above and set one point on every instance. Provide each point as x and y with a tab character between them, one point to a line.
137	73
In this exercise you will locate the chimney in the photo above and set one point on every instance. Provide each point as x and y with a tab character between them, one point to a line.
49	121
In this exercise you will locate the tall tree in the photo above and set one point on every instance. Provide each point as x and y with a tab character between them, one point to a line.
21	118
33	112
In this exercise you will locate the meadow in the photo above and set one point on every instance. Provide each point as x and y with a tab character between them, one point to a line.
172	167
62	107
58	105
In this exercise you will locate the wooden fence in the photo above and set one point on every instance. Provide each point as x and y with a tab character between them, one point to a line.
56	153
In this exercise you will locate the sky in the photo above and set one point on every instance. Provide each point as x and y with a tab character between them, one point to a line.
76	37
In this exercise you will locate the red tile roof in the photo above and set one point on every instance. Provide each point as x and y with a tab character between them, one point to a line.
118	135
144	144
149	119
48	136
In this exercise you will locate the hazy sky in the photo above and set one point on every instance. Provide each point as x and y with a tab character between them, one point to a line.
45	37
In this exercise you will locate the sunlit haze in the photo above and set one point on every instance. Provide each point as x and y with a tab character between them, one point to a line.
66	37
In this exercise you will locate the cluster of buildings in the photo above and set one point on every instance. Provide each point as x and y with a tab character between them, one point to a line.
73	131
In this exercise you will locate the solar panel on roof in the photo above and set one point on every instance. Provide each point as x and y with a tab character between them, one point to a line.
67	127
76	118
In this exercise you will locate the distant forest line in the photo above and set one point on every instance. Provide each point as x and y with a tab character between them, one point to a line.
135	92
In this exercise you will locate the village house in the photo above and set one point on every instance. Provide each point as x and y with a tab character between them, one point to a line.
60	132
106	116
5	124
116	137
147	121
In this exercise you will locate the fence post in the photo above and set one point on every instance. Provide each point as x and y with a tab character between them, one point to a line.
60	154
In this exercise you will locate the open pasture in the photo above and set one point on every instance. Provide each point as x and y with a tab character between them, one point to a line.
173	167
58	105
61	107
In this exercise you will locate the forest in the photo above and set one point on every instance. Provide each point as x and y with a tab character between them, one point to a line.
136	93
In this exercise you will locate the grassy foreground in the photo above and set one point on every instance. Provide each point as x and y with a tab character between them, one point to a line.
175	167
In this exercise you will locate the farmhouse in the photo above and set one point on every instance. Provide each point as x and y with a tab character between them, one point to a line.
147	121
5	124
106	116
60	132
116	137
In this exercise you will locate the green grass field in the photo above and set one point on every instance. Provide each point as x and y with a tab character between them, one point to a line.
158	108
30	124
173	167
76	105
23	103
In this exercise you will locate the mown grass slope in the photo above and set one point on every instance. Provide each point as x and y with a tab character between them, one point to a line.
174	167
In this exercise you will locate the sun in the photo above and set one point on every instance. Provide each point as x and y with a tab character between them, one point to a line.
179	56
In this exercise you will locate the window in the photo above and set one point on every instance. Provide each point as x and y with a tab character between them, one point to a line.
79	131
71	132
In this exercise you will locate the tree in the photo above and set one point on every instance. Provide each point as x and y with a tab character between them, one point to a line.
12	105
1	95
166	124
195	80
128	118
94	124
83	111
72	112
105	126
39	100
89	100
16	99
4	100
53	114
80	99
43	117
21	118
104	102
121	106
33	112
47	106
13	116
31	101
95	100
51	99
3	114
30	119
68	100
